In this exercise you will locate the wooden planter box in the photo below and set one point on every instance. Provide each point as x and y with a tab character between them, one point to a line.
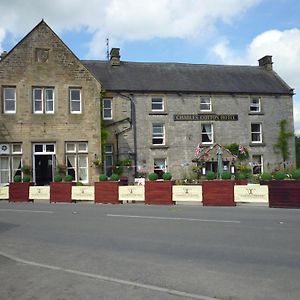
107	192
218	193
241	181
61	192
159	192
283	193
19	191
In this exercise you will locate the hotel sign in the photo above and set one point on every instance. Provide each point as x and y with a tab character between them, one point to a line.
205	117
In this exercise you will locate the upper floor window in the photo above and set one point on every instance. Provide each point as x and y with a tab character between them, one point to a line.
43	100
207	133
9	100
205	103
75	101
255	104
256	133
157	104
107	109
158	134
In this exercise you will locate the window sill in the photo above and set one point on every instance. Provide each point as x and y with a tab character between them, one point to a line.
257	145
159	113
255	113
159	147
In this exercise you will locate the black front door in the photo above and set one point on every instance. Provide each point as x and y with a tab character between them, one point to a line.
43	169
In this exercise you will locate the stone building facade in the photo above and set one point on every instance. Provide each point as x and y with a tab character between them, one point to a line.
156	114
50	112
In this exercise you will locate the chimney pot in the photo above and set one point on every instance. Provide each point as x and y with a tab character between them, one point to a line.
115	56
266	62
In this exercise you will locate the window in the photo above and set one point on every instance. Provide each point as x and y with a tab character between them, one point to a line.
107	109
43	100
158	134
205	103
108	160
75	101
157	104
256	133
77	161
255	105
257	164
10	162
9	100
206	133
159	167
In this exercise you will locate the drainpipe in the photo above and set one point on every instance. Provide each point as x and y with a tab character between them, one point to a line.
130	97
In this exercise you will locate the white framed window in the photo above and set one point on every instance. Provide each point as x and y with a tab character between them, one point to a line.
108	160
157	104
75	101
160	166
255	104
107	109
44	148
77	161
207	134
205	103
10	162
9	100
158	134
256	133
257	164
43	100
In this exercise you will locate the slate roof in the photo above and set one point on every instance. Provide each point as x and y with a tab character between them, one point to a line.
188	78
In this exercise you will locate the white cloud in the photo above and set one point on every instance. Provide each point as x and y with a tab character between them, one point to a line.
122	19
284	46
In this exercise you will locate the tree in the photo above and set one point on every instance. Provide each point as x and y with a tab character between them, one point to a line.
282	144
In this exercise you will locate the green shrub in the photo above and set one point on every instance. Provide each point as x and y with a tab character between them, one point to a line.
68	178
226	175
102	177
114	177
17	178
241	176
210	175
296	174
26	178
153	176
79	183
167	176
58	178
280	175
265	176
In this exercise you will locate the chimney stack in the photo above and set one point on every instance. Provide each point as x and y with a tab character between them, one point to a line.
115	56
266	62
3	54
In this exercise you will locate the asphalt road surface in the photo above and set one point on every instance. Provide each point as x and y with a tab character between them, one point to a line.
133	251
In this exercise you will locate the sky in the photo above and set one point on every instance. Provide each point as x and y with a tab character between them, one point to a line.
192	31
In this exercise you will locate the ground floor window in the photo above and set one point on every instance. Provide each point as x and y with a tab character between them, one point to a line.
77	161
257	164
10	162
108	160
160	166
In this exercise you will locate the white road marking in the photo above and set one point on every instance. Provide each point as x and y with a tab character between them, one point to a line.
175	219
109	279
27	211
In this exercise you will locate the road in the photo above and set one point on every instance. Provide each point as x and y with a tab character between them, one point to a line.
87	251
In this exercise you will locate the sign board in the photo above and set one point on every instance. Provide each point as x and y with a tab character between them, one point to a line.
39	192
187	193
253	193
85	193
205	117
132	193
4	194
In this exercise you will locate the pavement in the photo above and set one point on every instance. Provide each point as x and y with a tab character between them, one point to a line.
88	251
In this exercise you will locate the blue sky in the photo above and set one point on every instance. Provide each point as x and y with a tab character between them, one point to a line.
193	31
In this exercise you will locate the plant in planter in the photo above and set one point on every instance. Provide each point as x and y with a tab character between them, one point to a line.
61	191
241	179
159	191
280	175
18	190
295	174
107	191
218	192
